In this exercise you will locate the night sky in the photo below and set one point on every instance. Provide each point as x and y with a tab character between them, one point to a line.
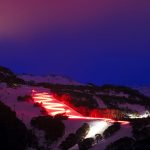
99	41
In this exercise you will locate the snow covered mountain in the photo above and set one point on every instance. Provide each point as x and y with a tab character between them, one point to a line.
59	114
55	79
145	90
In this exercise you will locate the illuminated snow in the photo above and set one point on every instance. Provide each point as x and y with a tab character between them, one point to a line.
144	115
97	127
54	107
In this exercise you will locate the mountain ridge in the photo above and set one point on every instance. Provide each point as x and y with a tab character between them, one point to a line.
119	103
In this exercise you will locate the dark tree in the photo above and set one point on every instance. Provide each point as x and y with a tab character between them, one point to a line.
82	131
54	128
125	143
70	141
86	144
98	137
111	130
13	133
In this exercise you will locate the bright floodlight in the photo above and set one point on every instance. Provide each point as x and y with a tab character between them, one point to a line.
97	127
143	115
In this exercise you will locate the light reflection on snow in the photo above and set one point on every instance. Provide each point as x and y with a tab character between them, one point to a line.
143	115
97	127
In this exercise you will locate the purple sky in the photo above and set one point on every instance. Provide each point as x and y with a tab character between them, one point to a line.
89	40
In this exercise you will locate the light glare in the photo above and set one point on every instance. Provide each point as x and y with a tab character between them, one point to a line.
97	127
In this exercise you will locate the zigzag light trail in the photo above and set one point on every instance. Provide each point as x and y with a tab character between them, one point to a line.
54	107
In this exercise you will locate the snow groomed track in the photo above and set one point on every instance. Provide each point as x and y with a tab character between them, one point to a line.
54	107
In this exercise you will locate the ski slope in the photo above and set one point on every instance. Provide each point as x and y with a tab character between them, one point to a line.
54	107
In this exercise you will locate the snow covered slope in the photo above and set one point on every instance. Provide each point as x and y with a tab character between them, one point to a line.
55	79
145	90
26	111
83	99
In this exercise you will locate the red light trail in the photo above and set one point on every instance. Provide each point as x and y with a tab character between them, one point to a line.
54	107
